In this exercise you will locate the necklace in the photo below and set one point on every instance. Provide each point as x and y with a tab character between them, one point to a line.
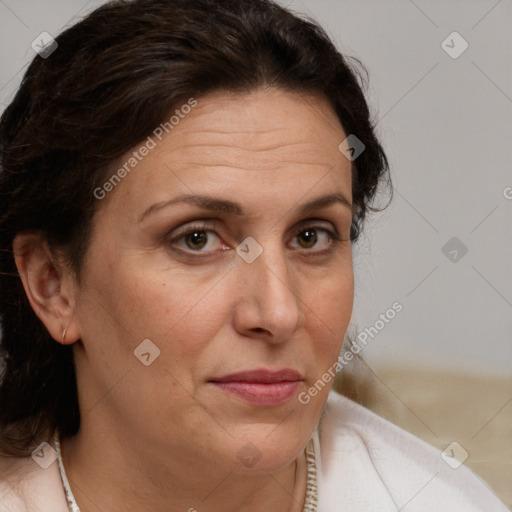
310	502
72	506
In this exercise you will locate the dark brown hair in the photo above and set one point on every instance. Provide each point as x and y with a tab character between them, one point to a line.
114	77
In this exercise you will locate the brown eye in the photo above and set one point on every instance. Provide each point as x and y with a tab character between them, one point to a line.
196	239
309	237
200	239
316	236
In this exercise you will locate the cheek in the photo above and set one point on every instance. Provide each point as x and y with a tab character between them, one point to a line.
178	310
328	313
123	305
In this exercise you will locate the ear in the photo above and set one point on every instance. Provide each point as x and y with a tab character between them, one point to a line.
49	286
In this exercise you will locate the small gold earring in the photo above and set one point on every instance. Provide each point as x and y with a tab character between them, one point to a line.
64	335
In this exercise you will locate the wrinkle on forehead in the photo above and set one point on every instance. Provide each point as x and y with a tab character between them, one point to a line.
228	140
289	130
283	108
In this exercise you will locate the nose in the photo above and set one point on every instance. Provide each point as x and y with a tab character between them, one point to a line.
269	303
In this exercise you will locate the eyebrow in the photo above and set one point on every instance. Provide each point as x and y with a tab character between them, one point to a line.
216	204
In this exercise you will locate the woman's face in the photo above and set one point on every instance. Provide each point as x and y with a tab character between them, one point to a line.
244	280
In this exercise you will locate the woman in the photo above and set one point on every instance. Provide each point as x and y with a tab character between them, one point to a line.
182	182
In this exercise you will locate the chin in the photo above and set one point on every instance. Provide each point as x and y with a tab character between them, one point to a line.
263	454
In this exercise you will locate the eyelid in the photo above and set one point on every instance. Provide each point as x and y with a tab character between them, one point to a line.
315	223
298	228
194	226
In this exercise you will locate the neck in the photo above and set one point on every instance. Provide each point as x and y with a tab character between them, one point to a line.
107	473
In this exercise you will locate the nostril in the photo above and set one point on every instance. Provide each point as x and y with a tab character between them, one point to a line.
260	329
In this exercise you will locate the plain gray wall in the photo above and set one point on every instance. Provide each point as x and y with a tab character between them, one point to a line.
446	126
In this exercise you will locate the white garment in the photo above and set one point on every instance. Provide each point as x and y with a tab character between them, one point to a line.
364	464
368	464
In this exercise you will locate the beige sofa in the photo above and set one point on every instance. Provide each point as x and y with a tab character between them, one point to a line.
441	407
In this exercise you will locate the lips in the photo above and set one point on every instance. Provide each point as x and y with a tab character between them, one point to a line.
260	387
261	376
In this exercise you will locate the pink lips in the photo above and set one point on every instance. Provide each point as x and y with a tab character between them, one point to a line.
261	387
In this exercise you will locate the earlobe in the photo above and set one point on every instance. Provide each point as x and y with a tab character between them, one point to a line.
46	285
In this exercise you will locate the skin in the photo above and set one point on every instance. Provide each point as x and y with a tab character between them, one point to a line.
161	437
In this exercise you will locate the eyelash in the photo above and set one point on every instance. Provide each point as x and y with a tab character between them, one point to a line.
333	236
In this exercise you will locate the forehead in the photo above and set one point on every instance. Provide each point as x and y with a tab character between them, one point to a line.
265	122
269	139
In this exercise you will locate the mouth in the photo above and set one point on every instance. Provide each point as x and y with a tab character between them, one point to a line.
261	387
